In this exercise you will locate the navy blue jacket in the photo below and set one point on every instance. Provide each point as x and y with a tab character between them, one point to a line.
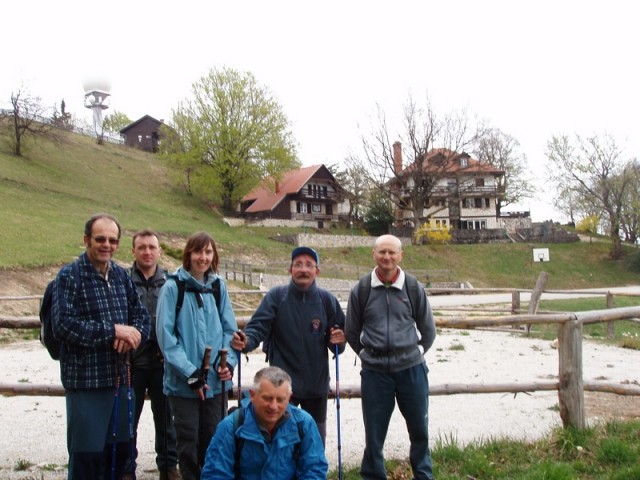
299	341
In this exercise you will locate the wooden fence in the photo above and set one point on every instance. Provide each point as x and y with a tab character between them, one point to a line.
570	385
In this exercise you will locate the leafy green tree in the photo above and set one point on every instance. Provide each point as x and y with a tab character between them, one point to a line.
588	225
229	135
116	121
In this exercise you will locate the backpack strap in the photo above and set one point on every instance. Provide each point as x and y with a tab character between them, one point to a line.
238	420
364	288
281	292
413	292
411	285
180	299
182	288
214	290
327	303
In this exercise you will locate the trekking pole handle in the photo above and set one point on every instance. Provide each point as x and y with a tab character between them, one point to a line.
206	360
223	358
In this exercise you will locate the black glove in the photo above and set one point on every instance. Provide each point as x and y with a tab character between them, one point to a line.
195	381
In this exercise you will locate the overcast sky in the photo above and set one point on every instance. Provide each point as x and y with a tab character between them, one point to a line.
530	68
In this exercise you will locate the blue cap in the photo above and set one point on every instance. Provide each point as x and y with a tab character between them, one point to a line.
305	251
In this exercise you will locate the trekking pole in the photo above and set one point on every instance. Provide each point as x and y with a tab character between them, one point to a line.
338	410
239	355
132	442
114	430
223	364
206	360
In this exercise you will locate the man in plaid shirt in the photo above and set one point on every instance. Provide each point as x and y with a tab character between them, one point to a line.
98	322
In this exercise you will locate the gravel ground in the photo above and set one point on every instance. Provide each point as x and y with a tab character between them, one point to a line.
34	427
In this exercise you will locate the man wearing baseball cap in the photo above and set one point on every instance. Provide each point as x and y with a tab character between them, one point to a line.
300	323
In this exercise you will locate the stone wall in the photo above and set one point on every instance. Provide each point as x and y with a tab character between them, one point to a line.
331	241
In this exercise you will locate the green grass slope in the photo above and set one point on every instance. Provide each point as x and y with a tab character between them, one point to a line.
47	195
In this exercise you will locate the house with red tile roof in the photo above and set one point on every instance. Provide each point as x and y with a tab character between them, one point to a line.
462	190
307	196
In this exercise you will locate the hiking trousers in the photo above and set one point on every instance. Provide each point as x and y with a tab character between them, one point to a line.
380	391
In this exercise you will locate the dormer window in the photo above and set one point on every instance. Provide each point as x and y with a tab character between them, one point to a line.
464	162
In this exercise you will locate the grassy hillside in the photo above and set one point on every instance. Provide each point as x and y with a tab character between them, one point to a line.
48	194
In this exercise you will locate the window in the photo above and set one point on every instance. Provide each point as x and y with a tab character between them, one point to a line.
316	208
479	182
464	162
301	207
309	190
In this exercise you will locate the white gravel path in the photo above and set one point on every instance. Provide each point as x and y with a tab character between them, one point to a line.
33	428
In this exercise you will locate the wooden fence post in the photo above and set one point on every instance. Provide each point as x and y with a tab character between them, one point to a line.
610	325
515	303
536	294
570	383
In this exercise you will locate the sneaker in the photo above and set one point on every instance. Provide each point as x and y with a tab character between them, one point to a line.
172	474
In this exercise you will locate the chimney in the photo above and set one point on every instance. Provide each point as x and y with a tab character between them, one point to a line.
397	157
277	187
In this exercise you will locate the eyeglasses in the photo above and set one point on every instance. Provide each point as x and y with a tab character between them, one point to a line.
301	265
111	240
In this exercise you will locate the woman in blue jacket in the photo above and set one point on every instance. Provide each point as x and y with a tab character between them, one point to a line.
184	331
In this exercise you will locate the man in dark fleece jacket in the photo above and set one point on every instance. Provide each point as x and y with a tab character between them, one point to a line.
302	323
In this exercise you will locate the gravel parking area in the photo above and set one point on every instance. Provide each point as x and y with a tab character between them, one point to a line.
34	427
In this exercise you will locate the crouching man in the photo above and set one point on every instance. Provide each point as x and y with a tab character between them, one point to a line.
266	438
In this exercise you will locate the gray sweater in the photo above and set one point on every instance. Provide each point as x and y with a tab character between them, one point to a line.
387	335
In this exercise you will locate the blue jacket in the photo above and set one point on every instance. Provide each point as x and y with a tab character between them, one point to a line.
262	460
84	319
299	343
183	340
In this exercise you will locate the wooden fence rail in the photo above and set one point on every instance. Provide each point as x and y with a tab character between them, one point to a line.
570	384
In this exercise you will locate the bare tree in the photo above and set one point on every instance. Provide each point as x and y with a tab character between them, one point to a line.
594	172
413	187
29	119
630	218
501	150
353	180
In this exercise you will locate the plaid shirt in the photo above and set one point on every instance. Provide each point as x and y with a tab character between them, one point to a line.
84	319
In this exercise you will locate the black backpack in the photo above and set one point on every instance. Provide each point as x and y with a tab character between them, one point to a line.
54	346
182	288
410	283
